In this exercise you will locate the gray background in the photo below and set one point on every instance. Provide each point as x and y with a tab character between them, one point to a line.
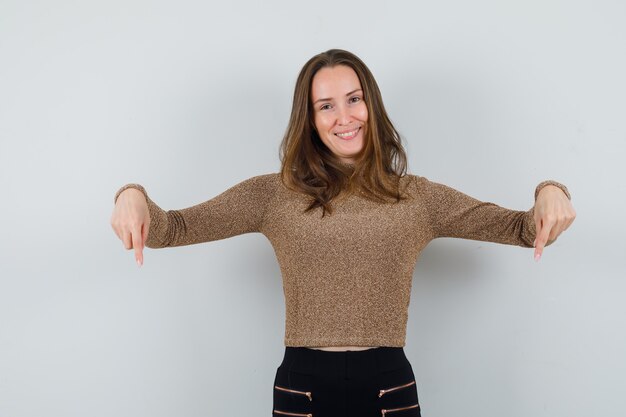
189	98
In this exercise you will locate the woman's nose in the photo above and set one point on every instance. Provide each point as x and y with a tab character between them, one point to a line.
343	115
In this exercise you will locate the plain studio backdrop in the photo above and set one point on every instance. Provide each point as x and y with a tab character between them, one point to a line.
189	98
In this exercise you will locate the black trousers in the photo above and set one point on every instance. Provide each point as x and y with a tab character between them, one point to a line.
366	383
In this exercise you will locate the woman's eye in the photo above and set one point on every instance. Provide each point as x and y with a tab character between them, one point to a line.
325	106
355	99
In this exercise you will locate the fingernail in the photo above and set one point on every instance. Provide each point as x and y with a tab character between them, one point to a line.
537	257
138	263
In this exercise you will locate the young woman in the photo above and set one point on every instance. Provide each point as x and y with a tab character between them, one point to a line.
347	224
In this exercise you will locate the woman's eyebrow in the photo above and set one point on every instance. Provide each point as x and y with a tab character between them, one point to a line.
328	99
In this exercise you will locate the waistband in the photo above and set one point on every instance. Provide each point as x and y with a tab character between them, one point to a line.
351	363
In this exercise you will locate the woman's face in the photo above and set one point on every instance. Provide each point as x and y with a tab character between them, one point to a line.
340	113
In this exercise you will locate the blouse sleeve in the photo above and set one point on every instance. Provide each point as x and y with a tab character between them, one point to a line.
239	209
455	214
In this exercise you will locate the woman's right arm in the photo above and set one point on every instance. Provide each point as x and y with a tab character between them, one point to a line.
238	210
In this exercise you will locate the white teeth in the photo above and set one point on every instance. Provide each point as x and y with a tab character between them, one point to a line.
347	134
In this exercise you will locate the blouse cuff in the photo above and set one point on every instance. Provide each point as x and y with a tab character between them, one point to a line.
552	182
127	186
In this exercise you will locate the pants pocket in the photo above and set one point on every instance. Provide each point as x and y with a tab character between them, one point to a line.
293	394
397	393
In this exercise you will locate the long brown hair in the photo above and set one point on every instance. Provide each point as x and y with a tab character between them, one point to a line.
308	166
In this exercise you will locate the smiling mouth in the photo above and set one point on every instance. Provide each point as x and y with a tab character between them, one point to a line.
349	135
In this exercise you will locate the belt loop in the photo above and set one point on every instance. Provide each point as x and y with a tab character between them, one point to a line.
316	359
377	360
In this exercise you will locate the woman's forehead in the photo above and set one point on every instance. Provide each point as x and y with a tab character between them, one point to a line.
334	82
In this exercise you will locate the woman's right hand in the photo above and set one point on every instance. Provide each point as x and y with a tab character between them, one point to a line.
131	220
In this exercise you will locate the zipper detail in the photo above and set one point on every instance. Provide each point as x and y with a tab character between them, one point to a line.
391	410
307	393
385	391
293	414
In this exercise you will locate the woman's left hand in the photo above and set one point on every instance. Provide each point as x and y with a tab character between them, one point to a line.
554	213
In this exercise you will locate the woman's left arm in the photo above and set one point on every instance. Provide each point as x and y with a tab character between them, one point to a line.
554	213
452	213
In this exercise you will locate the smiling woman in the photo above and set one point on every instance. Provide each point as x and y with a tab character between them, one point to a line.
340	111
347	268
339	138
